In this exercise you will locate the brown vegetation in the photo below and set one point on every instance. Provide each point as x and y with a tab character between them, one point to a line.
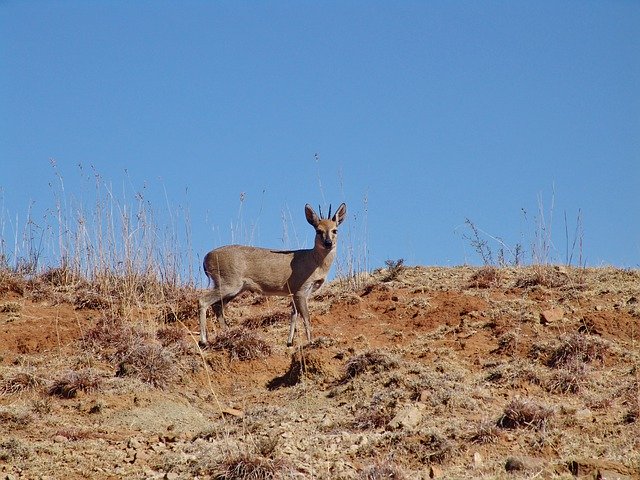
415	373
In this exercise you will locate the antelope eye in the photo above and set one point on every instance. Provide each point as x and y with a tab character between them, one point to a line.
319	232
335	231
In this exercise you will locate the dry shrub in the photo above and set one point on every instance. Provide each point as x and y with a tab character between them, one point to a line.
544	276
182	305
60	277
110	337
74	434
522	413
262	321
89	299
484	433
11	282
394	269
15	420
151	363
375	416
381	470
175	338
248	467
12	450
486	277
72	382
10	307
430	447
577	348
20	382
567	380
304	364
370	361
136	352
241	344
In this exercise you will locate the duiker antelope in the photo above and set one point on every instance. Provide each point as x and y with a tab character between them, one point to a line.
296	273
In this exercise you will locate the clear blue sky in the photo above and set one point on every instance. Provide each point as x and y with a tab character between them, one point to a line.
421	114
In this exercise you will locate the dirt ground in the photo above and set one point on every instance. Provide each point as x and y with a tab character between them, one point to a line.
413	373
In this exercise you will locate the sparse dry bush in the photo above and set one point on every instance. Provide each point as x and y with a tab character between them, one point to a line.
486	277
15	420
20	382
86	298
543	275
567	380
151	363
175	338
72	382
248	467
485	432
523	413
10	307
109	337
13	451
12	282
241	344
262	321
182	304
394	269
381	470
430	447
577	348
373	417
370	361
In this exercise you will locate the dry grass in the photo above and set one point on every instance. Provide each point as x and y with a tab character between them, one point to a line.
575	349
248	467
241	344
485	277
382	470
370	361
73	382
20	381
525	413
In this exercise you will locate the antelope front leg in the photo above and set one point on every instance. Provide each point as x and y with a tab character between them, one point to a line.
292	325
300	302
204	305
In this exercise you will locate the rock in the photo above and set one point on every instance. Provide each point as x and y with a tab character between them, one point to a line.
407	418
477	460
601	469
551	315
435	471
60	439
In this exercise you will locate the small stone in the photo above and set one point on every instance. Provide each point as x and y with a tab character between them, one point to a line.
551	315
477	460
435	471
60	439
407	418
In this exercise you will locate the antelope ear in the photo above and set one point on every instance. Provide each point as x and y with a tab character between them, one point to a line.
341	214
312	218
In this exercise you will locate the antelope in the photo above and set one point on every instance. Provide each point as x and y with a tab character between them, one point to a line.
295	273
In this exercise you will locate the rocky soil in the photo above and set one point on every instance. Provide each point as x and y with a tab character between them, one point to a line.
413	373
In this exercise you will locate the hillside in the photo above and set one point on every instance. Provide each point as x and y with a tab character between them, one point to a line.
421	372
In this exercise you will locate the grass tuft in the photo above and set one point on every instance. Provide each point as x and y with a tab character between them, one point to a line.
370	361
72	382
523	413
241	344
248	467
